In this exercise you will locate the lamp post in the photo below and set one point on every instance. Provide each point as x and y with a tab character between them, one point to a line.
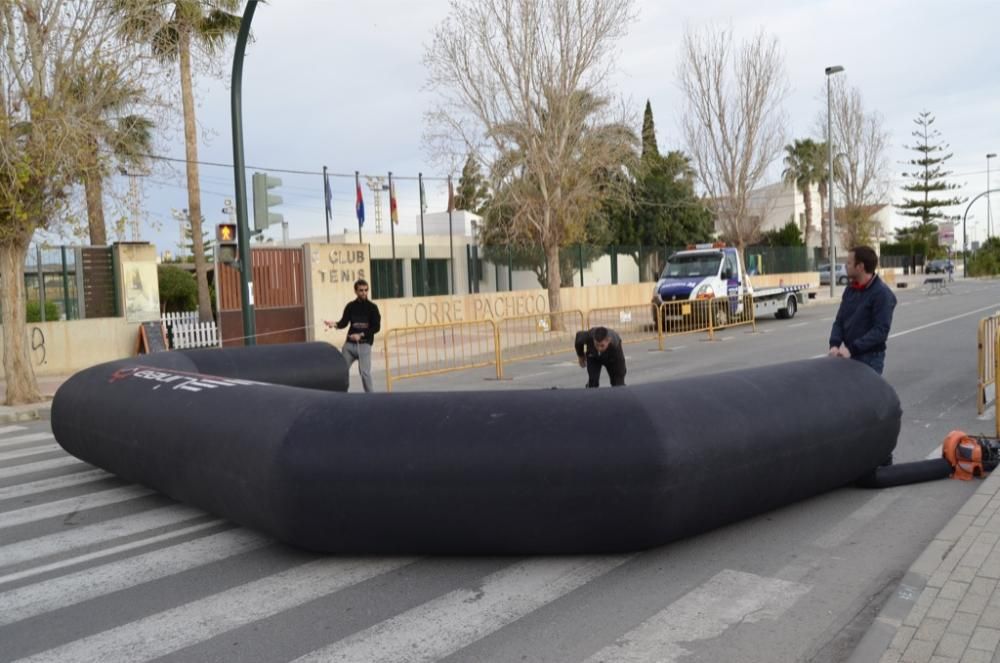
989	208
836	69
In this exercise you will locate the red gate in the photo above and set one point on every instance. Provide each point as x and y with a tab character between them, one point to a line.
278	295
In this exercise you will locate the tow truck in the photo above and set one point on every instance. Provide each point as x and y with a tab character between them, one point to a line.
716	272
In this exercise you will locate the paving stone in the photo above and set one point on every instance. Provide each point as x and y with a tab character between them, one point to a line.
952	644
985	639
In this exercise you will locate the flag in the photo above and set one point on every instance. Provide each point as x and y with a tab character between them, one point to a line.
328	195
423	197
359	206
451	196
393	212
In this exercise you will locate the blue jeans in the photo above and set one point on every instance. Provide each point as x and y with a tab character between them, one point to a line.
876	360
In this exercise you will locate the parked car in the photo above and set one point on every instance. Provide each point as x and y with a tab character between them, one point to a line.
824	274
937	267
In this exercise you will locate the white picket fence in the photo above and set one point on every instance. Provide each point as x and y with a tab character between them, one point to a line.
188	333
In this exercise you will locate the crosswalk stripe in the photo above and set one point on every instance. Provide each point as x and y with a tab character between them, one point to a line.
21	453
730	597
72	504
107	552
11	429
459	618
199	620
22	439
96	534
36	599
39	466
52	483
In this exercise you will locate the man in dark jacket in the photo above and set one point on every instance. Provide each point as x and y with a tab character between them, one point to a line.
601	347
365	321
862	324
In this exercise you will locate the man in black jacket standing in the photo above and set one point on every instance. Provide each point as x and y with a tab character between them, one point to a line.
365	321
861	327
601	347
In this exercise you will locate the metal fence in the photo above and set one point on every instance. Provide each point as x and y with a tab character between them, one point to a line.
418	351
987	344
532	336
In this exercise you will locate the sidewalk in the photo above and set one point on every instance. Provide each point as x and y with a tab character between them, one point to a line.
947	607
47	385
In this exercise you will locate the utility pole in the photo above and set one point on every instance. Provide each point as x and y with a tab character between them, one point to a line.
377	185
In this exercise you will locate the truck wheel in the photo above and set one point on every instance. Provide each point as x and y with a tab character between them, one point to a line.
721	315
787	313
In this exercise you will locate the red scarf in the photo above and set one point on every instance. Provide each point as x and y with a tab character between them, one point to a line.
859	286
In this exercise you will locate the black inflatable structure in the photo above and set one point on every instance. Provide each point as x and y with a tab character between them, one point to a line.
269	443
907	473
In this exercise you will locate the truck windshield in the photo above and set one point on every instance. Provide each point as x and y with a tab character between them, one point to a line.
692	265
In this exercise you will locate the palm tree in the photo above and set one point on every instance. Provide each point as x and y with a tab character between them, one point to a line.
800	171
173	28
128	138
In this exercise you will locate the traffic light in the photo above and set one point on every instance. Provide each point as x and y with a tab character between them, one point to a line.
263	201
227	247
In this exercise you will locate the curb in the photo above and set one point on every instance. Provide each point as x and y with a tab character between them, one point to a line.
877	641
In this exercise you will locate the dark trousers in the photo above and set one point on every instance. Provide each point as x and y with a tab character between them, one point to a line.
616	372
874	359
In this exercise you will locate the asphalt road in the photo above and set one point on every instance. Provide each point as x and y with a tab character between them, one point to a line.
95	569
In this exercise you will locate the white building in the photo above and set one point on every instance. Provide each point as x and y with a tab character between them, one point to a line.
453	256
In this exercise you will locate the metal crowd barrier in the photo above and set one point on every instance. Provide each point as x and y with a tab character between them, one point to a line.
640	322
532	336
733	311
987	342
434	349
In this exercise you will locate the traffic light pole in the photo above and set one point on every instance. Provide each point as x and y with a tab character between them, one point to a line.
236	97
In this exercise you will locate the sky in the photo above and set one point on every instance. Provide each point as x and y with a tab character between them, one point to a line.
341	84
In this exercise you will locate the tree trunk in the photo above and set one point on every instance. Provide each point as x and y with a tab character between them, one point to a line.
554	284
22	386
93	187
808	203
194	188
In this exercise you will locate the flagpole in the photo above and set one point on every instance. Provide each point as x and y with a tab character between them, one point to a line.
392	230
326	202
357	187
451	236
423	245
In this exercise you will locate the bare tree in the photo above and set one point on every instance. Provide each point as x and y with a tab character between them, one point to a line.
860	177
733	123
46	130
521	85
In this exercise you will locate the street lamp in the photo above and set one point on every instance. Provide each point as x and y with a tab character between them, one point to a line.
989	209
836	69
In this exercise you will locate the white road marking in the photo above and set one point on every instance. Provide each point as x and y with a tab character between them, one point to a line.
452	621
942	321
39	598
62	507
730	597
11	429
21	439
199	620
21	453
90	535
797	324
53	483
40	466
